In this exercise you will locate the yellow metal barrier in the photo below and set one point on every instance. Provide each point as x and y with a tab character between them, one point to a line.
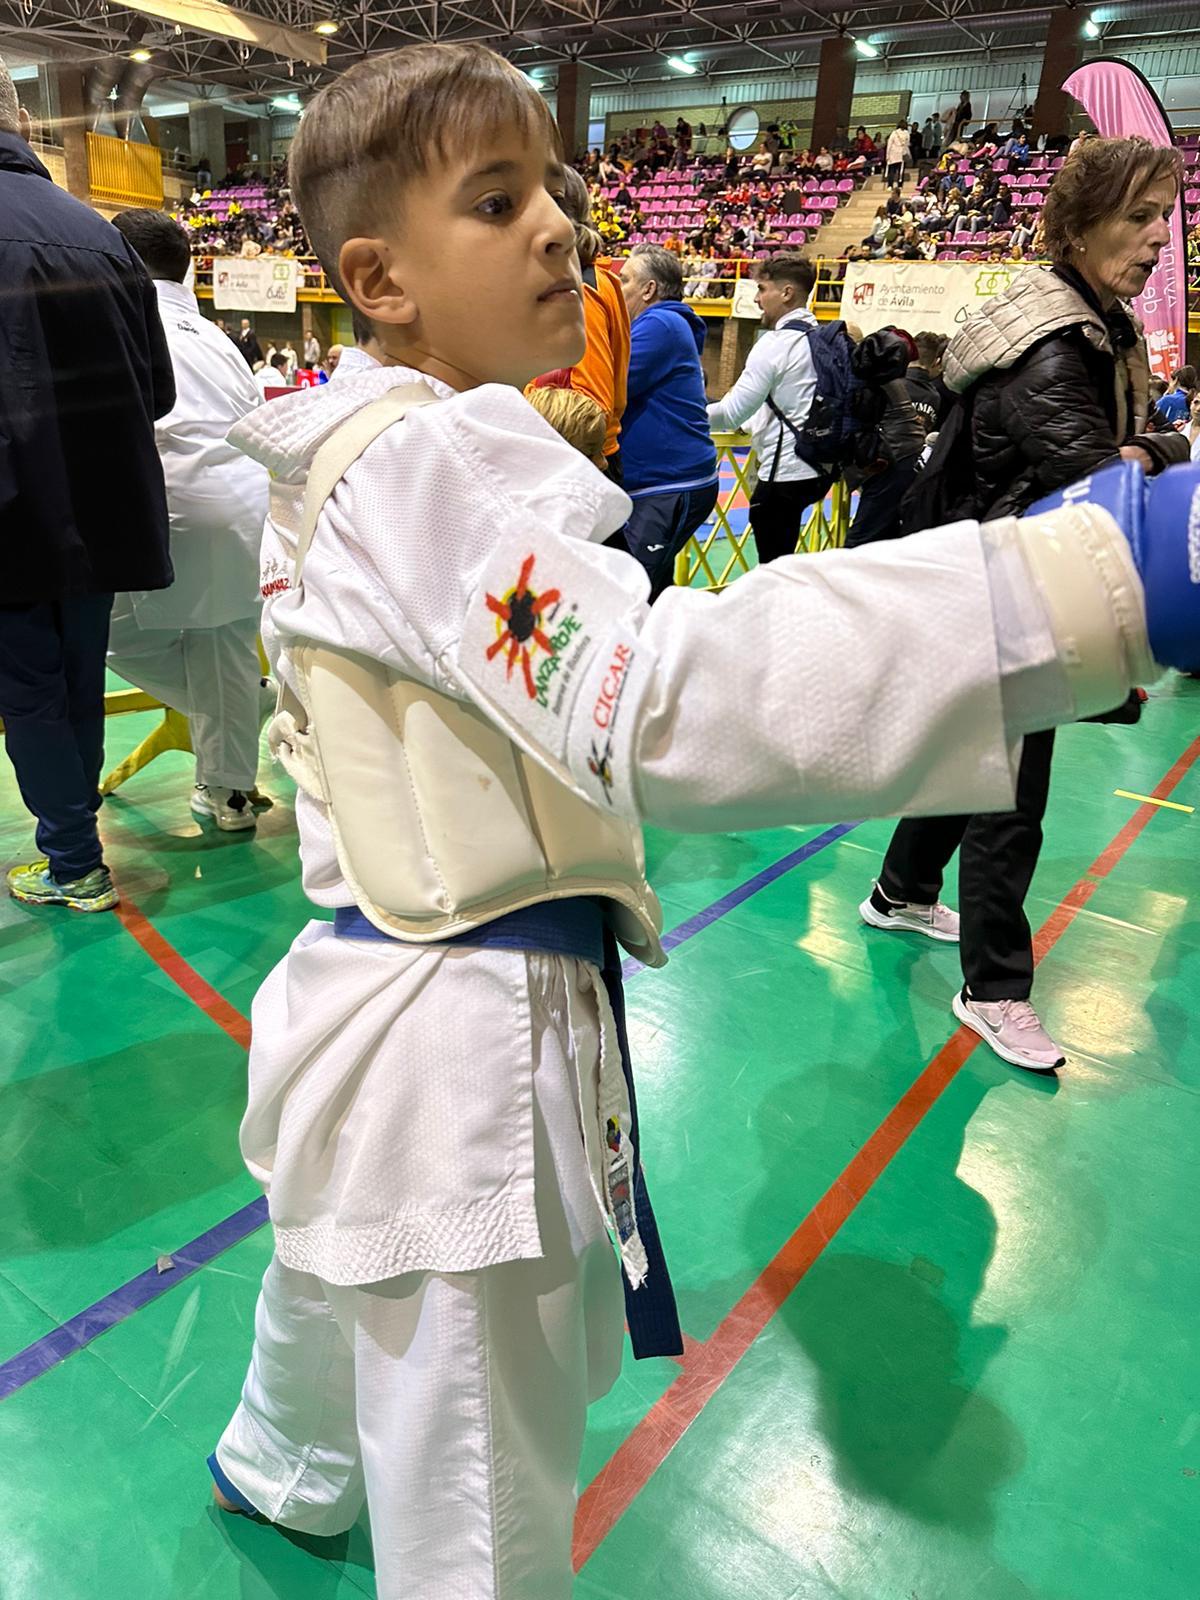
822	531
124	174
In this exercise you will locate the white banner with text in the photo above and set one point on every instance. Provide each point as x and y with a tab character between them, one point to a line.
266	283
921	296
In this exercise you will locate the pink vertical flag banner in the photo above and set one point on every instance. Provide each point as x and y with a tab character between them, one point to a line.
1120	102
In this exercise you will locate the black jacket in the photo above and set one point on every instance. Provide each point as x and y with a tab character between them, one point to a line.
1055	414
84	371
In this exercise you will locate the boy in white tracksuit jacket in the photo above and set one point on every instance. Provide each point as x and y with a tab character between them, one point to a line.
480	707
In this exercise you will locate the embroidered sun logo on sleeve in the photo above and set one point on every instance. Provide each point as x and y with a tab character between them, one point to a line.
519	631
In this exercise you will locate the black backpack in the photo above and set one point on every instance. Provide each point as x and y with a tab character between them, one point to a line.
944	489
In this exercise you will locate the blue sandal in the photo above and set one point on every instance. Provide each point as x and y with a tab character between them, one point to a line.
242	1506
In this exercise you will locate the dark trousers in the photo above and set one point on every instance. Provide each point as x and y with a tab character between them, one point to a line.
997	857
52	703
878	513
659	527
895	174
777	514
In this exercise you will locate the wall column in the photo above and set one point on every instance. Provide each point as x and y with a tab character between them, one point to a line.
72	128
1064	52
574	107
835	91
206	135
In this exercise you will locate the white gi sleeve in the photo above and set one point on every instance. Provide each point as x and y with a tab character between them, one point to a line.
851	684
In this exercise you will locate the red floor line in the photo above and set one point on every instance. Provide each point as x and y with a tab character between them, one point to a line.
707	1366
201	993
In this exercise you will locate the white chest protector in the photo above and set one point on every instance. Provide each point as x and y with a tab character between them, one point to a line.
441	823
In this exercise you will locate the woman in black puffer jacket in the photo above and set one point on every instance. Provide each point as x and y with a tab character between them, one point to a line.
1054	380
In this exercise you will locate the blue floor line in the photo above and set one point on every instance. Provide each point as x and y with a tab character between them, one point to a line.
53	1348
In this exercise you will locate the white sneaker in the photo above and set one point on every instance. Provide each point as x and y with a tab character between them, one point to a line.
1013	1030
230	808
935	922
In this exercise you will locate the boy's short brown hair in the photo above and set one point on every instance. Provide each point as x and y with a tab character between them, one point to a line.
386	119
789	266
1097	182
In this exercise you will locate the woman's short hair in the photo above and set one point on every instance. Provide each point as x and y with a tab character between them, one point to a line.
1098	181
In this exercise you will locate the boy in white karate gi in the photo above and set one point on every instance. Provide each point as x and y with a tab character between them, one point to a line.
480	708
195	645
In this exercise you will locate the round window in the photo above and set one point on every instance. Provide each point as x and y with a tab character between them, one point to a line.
742	128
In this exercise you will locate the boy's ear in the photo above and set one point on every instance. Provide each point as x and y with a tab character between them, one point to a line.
369	269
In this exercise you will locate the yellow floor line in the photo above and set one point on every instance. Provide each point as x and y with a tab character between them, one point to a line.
1149	800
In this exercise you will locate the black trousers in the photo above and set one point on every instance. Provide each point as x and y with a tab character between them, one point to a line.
52	702
777	514
878	514
997	856
661	524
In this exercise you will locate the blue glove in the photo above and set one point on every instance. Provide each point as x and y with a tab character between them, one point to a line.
1161	519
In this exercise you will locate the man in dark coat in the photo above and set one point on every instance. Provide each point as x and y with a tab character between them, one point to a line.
83	512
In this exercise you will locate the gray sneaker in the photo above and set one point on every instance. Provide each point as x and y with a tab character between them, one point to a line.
935	922
1013	1030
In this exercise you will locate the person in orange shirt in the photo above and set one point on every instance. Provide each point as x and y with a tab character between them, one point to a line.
604	370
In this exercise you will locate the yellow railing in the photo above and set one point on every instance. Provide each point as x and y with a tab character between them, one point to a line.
124	174
716	301
824	529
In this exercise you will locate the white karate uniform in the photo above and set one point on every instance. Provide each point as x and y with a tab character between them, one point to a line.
194	646
444	1303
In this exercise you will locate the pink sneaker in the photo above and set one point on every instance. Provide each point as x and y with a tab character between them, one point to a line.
1012	1029
935	922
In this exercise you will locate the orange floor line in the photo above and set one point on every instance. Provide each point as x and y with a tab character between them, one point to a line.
198	990
707	1366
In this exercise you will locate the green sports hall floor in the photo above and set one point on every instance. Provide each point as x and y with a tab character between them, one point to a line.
941	1316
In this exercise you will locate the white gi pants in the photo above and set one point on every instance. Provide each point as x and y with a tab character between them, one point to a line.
454	1402
211	675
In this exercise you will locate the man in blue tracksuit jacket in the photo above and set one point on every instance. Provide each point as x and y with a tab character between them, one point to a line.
668	460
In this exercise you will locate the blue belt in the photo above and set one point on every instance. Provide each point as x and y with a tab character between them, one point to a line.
572	927
576	927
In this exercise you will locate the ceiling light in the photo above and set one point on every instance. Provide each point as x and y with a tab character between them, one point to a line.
681	65
529	78
140	55
1092	28
286	102
865	47
328	26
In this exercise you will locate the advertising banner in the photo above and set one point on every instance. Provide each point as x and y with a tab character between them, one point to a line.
920	296
267	283
1121	103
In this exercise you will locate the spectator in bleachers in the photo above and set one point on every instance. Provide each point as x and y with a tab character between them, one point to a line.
916	142
312	350
1193	428
960	117
1175	405
668	462
774	395
932	137
896	153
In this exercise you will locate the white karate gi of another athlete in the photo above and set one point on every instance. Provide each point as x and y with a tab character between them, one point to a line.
194	646
444	1301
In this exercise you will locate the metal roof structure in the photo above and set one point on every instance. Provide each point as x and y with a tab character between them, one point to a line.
623	43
